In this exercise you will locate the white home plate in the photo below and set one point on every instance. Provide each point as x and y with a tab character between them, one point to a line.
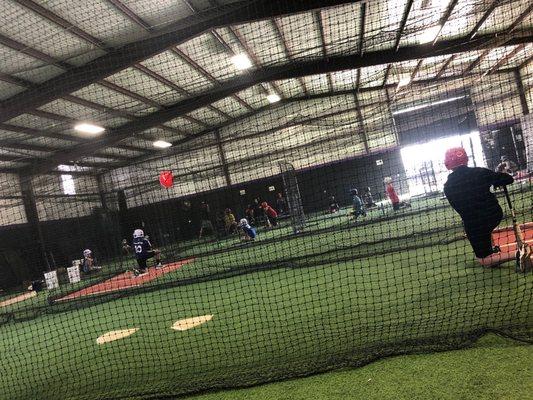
189	323
115	335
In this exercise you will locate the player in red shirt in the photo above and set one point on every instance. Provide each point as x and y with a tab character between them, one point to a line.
391	193
271	214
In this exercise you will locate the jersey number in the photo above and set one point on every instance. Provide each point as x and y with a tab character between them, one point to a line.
138	249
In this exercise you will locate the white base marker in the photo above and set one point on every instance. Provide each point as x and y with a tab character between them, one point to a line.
115	335
189	323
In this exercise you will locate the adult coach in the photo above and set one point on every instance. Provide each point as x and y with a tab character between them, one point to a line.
205	219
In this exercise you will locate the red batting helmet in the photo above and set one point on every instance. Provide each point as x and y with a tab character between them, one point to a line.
455	157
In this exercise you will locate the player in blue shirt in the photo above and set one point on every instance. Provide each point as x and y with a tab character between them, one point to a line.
249	233
143	251
358	207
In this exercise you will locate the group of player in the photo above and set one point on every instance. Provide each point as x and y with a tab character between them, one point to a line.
258	212
467	190
362	203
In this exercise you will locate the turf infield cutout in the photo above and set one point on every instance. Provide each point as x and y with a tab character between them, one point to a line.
189	323
115	335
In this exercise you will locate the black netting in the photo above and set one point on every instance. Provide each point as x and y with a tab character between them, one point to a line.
317	185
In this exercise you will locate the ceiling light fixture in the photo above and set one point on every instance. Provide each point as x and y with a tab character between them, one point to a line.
404	81
161	144
273	98
241	61
429	34
425	105
89	128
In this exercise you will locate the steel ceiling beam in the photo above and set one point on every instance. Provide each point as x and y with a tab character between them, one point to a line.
521	92
387	73
476	62
221	40
143	24
520	18
291	71
238	37
406	12
55	135
325	95
526	62
76	173
362	122
362	22
85	103
39	133
505	59
12	144
66	25
445	18
131	15
286	50
81	34
444	66
482	20
76	78
322	36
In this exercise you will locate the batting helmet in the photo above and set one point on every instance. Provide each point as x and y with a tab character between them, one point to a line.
455	157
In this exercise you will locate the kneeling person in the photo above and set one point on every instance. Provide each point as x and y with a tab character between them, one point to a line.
89	262
249	233
468	192
143	252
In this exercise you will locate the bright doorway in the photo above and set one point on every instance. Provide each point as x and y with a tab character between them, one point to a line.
424	163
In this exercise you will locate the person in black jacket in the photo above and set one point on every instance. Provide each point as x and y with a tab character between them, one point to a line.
468	192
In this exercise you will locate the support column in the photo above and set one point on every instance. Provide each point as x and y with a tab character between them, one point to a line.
223	158
521	92
32	217
101	192
394	127
360	117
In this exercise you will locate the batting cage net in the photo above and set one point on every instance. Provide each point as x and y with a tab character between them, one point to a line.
293	205
198	195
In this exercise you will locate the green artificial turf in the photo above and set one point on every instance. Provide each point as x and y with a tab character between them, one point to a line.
335	298
494	369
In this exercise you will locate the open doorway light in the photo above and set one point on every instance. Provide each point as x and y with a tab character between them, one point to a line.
424	163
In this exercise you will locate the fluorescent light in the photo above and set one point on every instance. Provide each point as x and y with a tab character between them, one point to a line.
162	144
421	106
89	128
69	168
241	61
430	34
404	81
273	98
